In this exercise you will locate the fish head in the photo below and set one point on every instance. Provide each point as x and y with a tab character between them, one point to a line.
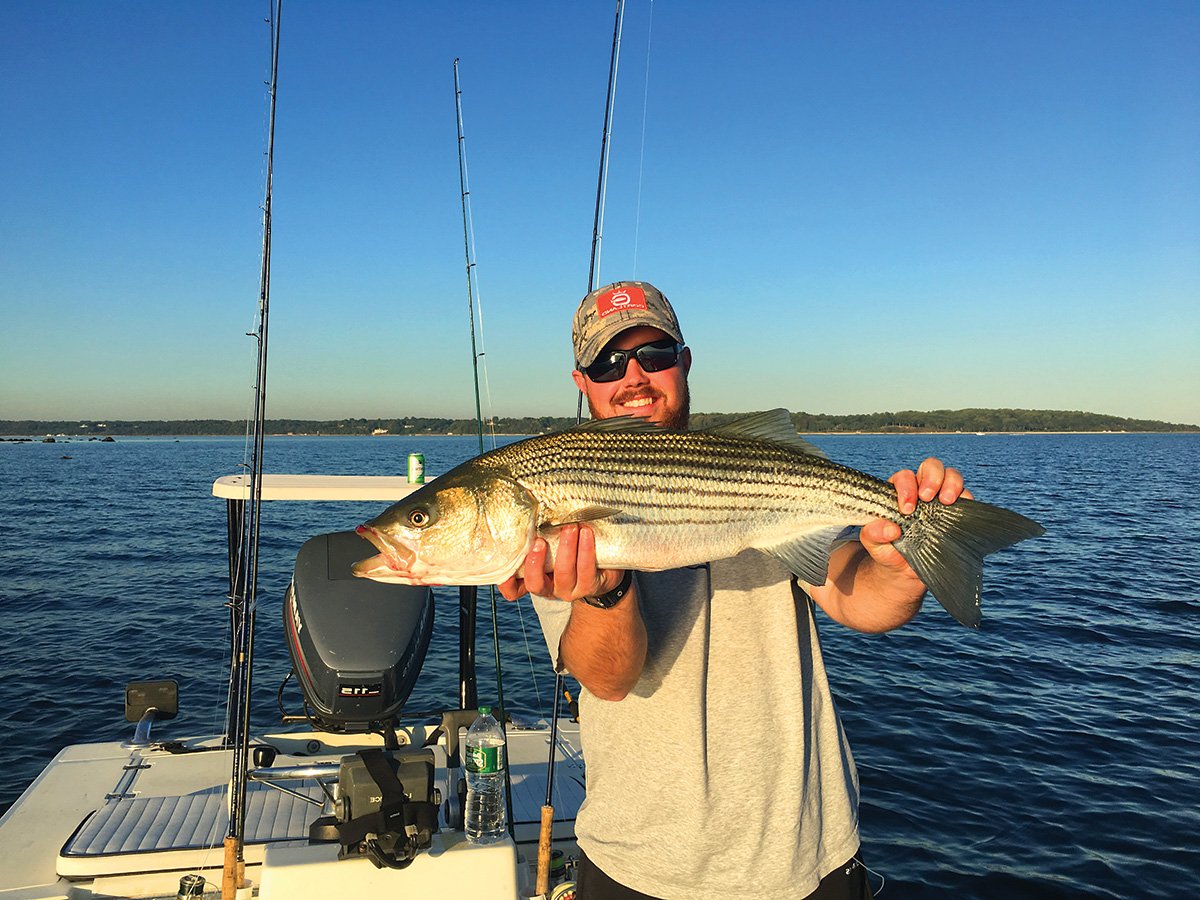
467	527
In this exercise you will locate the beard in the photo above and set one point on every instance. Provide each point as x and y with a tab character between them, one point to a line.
676	419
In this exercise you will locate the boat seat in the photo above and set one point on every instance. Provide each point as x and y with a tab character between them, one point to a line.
154	834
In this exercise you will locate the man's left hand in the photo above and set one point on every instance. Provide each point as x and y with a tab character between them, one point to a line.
931	480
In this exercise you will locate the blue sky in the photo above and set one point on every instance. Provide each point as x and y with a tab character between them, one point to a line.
855	207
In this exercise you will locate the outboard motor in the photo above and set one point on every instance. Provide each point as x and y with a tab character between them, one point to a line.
357	646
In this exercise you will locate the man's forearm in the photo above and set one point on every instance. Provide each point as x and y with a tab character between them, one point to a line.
605	649
863	595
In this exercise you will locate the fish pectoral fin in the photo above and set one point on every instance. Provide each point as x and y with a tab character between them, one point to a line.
807	557
575	517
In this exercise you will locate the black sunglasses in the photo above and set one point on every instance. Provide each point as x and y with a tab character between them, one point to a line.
652	357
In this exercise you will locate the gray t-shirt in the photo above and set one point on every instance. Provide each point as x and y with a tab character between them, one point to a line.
725	771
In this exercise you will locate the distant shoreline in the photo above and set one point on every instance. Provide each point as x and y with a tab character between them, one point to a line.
80	439
942	421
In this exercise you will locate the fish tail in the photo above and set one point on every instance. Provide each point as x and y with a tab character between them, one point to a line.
945	545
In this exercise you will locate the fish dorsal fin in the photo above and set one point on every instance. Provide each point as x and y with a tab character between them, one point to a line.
620	425
773	426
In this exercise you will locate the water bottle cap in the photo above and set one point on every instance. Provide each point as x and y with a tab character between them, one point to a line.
485	710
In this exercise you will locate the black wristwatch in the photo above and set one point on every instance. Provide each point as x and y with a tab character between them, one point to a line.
613	597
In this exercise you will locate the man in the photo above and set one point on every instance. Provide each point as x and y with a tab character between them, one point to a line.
716	761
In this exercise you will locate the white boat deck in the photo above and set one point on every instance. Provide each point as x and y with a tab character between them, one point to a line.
103	819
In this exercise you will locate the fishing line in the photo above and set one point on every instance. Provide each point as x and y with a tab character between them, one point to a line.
537	692
637	218
882	881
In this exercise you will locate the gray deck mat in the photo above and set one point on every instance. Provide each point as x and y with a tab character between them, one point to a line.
193	821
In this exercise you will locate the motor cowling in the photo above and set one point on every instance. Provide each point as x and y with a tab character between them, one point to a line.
357	646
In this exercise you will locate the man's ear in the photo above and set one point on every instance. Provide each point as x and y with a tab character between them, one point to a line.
580	381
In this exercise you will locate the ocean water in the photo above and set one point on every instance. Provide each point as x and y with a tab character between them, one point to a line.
1054	752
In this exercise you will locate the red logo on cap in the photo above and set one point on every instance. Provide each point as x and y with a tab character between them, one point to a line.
629	296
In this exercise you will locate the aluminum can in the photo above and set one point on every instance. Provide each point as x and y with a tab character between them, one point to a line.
416	468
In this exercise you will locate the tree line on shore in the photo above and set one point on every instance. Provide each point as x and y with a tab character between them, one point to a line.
967	420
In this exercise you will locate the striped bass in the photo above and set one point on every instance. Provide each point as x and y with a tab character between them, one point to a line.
659	499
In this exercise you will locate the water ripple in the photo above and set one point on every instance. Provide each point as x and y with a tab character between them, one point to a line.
1051	753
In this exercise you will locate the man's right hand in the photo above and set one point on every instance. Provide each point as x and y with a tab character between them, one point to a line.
605	649
574	573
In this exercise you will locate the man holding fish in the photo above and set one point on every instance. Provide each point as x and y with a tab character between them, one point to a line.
691	563
690	674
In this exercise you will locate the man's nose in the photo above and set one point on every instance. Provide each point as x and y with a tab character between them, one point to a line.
634	373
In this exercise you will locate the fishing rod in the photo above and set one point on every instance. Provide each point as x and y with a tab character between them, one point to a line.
243	599
465	191
547	824
468	595
602	178
468	698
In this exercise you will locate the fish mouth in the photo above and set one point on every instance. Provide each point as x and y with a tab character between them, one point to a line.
393	562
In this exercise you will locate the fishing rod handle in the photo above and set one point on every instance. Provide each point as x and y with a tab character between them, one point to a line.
543	857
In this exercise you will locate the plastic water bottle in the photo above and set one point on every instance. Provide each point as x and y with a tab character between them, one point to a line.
486	761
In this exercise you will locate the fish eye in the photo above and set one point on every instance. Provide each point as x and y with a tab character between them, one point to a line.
418	518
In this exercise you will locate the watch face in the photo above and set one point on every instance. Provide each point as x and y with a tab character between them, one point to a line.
604	601
613	597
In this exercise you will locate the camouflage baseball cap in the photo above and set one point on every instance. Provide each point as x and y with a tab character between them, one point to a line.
607	311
